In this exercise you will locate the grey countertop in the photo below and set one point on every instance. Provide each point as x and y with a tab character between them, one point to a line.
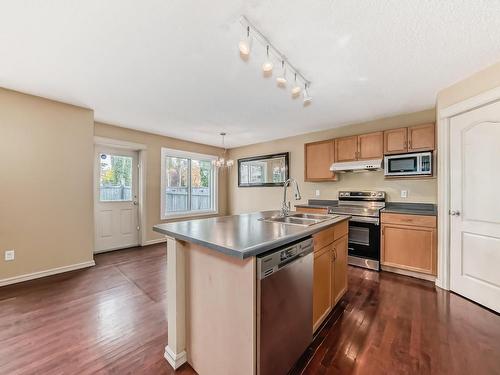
427	209
241	236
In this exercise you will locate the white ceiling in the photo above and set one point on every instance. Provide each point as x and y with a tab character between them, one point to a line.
172	67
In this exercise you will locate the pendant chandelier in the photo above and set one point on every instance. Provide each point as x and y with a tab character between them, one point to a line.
222	161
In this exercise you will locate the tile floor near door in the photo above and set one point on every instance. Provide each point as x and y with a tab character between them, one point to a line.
112	319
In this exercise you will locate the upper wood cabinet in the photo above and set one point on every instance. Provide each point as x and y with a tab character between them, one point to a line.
421	138
318	157
359	147
346	149
396	141
371	146
411	139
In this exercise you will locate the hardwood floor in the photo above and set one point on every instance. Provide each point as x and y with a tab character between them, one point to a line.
111	319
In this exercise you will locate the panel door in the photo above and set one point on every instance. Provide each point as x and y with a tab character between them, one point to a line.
395	141
346	149
115	199
475	203
322	293
409	247
421	137
371	146
318	156
339	268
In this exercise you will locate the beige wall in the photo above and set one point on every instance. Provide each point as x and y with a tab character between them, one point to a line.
479	82
254	199
46	185
154	144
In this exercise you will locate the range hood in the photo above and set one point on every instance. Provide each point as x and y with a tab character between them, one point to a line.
357	166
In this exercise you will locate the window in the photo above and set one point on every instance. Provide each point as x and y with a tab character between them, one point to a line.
188	184
115	178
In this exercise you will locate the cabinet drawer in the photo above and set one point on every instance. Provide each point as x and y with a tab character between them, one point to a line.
403	219
340	229
323	238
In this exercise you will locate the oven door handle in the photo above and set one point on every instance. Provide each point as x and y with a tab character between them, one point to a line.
362	219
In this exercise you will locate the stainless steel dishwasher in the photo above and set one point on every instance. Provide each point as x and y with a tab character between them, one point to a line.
284	307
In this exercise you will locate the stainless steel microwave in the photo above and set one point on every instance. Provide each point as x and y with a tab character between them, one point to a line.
416	164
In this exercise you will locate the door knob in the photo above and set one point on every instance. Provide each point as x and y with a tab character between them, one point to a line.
135	203
454	213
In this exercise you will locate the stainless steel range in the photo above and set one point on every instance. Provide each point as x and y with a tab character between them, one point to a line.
364	225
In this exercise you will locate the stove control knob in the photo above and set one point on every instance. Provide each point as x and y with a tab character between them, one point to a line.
373	194
379	194
341	194
347	194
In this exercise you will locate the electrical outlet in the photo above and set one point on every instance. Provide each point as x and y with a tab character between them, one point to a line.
317	193
10	255
404	193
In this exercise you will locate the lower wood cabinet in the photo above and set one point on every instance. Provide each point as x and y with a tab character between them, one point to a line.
312	210
409	242
330	270
322	285
339	262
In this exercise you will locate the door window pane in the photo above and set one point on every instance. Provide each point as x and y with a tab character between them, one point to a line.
201	185
115	177
177	184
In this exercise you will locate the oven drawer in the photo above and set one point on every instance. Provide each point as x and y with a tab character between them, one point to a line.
404	219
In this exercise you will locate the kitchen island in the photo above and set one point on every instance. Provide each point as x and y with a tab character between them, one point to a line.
212	286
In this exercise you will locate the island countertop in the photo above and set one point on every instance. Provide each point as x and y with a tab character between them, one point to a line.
241	236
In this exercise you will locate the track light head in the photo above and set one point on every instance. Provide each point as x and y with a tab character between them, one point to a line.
267	67
307	98
281	79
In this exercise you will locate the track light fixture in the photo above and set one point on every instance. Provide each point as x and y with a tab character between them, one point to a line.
267	66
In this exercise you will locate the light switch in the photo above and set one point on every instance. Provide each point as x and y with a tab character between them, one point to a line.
404	193
317	193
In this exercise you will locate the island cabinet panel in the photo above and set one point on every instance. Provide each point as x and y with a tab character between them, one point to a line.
421	138
330	270
312	210
322	292
371	146
339	267
220	312
318	157
409	243
323	238
346	149
396	141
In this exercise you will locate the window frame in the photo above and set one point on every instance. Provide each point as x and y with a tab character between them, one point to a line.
170	152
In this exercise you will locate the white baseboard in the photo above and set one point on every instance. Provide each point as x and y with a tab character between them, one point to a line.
50	272
417	275
175	360
154	242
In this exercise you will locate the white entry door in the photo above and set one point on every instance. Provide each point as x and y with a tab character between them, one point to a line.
115	199
475	205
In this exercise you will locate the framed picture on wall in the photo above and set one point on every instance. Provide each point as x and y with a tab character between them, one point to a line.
266	170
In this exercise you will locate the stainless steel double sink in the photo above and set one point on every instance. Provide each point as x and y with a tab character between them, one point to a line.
302	219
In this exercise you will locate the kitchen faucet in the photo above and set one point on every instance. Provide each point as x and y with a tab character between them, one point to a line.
285	206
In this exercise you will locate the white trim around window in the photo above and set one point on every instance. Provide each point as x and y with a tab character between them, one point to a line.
169	152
